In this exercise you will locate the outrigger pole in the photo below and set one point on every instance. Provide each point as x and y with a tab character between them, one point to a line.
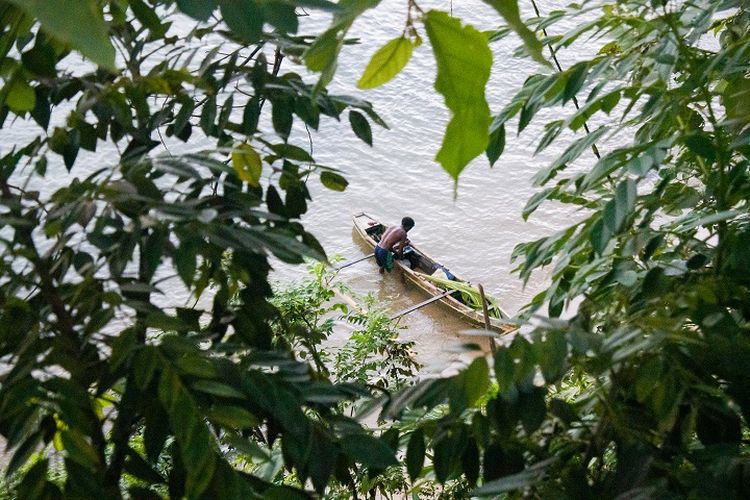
422	304
351	263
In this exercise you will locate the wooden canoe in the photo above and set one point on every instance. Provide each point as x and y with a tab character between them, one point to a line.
416	266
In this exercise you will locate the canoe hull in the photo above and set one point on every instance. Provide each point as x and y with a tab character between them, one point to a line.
366	227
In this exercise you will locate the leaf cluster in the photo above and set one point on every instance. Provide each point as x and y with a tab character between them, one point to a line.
98	347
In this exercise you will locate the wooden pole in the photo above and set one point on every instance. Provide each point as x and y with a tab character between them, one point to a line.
486	313
351	263
422	304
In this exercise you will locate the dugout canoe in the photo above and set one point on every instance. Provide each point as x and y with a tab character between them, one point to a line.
416	264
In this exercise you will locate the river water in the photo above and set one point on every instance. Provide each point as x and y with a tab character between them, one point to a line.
472	233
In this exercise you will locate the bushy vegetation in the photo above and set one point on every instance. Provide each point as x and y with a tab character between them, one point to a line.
640	392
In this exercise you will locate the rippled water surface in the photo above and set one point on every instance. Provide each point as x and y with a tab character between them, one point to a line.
472	233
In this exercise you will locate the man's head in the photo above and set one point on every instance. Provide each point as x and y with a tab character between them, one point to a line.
407	223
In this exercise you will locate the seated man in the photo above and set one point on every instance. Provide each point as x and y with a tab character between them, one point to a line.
393	240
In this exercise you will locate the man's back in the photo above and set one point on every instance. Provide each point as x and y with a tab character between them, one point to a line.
391	236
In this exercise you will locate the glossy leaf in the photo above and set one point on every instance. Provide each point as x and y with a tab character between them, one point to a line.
496	145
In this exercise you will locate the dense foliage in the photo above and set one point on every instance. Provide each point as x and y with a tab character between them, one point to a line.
95	357
641	391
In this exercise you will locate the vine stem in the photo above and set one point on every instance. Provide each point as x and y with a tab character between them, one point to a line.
552	52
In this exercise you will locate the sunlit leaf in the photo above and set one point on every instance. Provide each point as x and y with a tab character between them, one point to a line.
247	163
463	61
386	63
20	97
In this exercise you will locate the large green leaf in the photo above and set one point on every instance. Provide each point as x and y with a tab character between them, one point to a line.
386	63
463	61
78	23
509	10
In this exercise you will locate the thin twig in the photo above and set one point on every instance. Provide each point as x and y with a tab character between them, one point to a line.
559	68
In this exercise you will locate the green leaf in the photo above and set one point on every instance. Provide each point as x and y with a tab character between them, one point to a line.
386	63
21	97
476	380
250	116
217	389
532	409
333	181
291	152
244	18
232	416
470	462
247	163
79	449
79	23
575	81
282	117
617	210
197	9
504	368
552	131
368	450
599	236
147	16
509	10
361	126
702	145
518	481
208	116
497	144
323	51
41	60
463	60
415	451
281	15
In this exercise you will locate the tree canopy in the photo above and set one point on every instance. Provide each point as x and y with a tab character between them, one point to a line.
640	391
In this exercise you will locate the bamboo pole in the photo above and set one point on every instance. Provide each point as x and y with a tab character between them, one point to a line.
486	314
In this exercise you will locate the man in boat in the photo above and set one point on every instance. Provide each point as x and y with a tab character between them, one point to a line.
393	241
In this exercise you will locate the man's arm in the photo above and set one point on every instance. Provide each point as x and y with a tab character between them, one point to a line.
401	243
